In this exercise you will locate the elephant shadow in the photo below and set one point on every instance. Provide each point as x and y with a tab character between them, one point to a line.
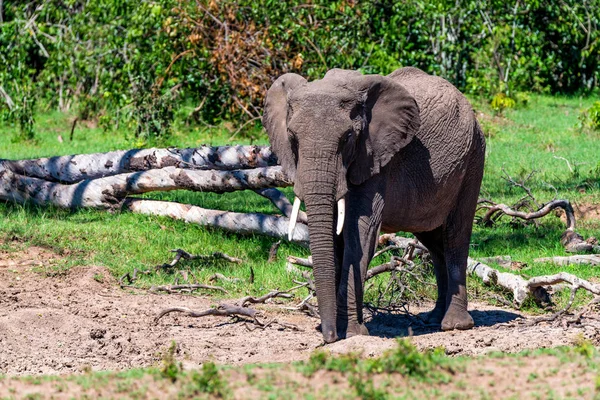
391	325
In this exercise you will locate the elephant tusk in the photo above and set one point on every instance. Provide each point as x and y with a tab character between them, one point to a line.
293	218
341	215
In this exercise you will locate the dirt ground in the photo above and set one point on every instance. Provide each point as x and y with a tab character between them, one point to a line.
67	322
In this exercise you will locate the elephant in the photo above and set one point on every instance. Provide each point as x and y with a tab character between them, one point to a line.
372	153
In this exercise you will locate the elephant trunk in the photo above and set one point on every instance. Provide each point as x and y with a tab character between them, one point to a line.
319	189
321	219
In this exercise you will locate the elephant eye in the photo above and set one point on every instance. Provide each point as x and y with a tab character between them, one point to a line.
348	136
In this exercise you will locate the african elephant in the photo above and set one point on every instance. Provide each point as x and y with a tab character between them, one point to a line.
401	152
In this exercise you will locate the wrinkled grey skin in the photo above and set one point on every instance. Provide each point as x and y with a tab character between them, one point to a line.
406	154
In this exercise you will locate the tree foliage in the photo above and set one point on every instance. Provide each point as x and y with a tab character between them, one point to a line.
138	61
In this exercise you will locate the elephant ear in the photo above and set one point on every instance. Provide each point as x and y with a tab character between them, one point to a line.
392	120
275	120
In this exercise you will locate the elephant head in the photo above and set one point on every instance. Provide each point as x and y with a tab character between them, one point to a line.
328	135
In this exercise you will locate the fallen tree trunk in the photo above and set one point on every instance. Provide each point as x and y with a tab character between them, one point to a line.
246	224
590	259
107	192
282	203
79	167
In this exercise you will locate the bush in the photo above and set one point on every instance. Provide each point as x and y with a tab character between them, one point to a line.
501	102
590	118
223	55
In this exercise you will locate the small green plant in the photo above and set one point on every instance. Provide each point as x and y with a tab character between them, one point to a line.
322	360
584	347
99	278
170	368
590	118
24	114
501	102
406	359
522	99
208	380
365	388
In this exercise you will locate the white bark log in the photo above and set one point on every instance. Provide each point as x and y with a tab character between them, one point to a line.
591	259
282	203
75	168
249	224
490	276
109	191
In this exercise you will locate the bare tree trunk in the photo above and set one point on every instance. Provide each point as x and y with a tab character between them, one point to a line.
75	168
591	259
247	224
110	191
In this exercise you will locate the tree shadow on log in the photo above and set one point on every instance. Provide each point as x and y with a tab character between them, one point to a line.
391	325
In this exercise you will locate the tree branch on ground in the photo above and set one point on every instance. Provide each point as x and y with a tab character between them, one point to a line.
239	309
571	240
591	259
184	288
182	254
241	223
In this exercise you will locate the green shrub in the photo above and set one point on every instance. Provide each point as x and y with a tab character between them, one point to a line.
590	119
594	115
170	368
501	102
208	380
23	112
406	359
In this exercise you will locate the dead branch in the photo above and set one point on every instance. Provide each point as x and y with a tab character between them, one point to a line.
394	265
571	240
185	288
75	168
107	192
245	224
273	251
534	287
239	309
182	254
591	259
73	129
262	299
544	210
223	310
305	262
131	277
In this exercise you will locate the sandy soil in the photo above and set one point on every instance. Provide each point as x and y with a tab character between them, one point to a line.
67	322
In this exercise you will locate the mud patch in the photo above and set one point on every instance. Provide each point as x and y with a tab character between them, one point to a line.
81	319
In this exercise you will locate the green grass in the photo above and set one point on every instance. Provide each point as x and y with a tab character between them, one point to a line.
523	140
403	372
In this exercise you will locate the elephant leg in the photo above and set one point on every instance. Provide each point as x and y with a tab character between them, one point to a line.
361	231
434	241
457	235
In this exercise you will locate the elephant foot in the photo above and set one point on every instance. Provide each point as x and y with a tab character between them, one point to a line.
352	329
457	317
357	329
435	316
329	335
